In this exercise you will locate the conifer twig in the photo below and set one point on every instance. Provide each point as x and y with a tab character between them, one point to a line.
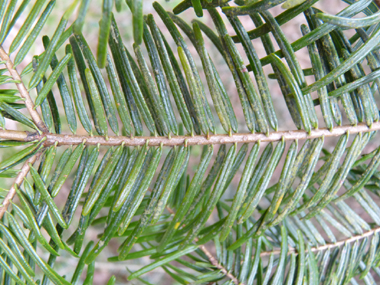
212	259
23	91
18	181
329	245
68	139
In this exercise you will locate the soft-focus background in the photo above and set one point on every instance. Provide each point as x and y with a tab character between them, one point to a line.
292	30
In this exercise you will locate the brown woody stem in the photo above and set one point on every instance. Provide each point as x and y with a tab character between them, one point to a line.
63	139
212	259
218	265
18	181
16	135
329	245
23	91
213	139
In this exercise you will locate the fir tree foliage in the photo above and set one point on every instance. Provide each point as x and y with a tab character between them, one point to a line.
146	145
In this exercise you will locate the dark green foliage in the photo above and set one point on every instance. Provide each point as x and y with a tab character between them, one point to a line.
282	207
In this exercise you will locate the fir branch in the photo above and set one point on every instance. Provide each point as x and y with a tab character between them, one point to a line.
147	101
211	258
67	139
16	135
326	246
218	265
18	181
23	91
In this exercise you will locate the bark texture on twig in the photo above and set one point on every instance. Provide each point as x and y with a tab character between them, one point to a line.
218	265
329	245
212	259
16	135
18	181
67	139
23	91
